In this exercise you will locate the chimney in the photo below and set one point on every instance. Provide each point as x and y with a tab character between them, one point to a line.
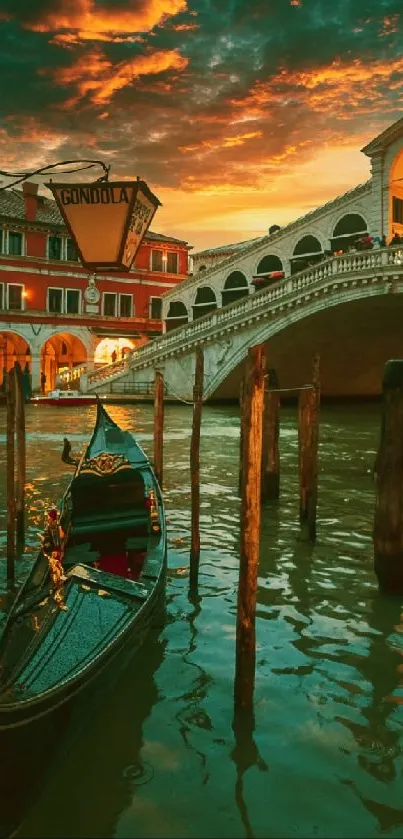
30	191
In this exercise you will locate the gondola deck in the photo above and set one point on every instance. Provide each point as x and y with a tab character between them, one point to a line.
80	606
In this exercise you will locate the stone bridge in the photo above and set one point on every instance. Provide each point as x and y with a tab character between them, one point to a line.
348	308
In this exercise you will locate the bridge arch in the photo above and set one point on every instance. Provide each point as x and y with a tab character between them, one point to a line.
348	228
395	183
235	287
177	315
63	350
269	262
14	347
205	302
307	251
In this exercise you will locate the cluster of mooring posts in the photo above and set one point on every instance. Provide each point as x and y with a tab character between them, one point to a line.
15	467
259	479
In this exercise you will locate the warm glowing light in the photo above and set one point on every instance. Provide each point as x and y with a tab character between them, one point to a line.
108	346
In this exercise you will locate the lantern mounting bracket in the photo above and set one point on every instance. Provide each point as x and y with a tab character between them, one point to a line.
20	177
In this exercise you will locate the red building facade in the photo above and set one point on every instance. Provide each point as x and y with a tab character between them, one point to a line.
54	314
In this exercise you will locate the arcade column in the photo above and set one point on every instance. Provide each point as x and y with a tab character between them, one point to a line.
36	372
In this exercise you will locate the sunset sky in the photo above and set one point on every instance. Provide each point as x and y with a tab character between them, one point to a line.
238	113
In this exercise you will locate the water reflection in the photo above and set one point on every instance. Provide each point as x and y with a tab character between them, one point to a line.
245	755
324	754
102	769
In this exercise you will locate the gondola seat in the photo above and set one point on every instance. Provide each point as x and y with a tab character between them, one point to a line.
82	527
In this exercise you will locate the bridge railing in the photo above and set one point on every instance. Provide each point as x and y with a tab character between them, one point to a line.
369	261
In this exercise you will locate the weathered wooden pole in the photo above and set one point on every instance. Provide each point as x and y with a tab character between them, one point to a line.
270	444
21	452
241	432
388	518
195	470
10	478
250	529
159	426
308	438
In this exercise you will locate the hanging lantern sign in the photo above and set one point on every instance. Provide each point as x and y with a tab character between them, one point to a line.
106	220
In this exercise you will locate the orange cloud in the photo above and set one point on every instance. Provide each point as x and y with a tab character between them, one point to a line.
185	27
91	22
95	74
390	25
336	88
225	143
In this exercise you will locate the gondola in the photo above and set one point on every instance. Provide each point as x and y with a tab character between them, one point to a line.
96	584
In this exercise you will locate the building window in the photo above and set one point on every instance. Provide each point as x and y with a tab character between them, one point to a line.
15	296
1	296
72	301
55	247
2	241
125	305
156	261
55	300
155	308
110	304
397	211
172	263
15	243
71	251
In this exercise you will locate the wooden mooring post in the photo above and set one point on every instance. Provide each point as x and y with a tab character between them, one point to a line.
195	471
270	444
308	438
21	454
10	475
159	426
388	517
241	433
250	529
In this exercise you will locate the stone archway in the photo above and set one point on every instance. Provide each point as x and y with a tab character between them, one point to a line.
108	348
307	252
13	348
396	196
177	315
61	352
205	302
235	287
348	229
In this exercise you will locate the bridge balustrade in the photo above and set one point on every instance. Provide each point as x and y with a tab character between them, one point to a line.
336	266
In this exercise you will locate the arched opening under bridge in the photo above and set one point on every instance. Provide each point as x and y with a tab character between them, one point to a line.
235	287
205	302
308	251
177	315
348	230
268	269
112	349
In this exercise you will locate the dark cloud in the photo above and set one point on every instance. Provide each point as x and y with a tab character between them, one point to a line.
197	93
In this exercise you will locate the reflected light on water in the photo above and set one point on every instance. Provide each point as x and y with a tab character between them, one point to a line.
162	756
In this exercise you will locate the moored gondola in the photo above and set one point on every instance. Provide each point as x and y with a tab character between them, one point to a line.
96	584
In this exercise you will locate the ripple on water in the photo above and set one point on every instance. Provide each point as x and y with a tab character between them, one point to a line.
326	755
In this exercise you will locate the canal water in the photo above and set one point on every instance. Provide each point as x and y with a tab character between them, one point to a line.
159	756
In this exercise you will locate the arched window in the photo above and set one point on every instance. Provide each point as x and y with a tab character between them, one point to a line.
269	270
205	302
307	252
235	287
177	315
269	263
348	229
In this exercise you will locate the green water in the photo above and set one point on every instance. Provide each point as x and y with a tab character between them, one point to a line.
160	758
